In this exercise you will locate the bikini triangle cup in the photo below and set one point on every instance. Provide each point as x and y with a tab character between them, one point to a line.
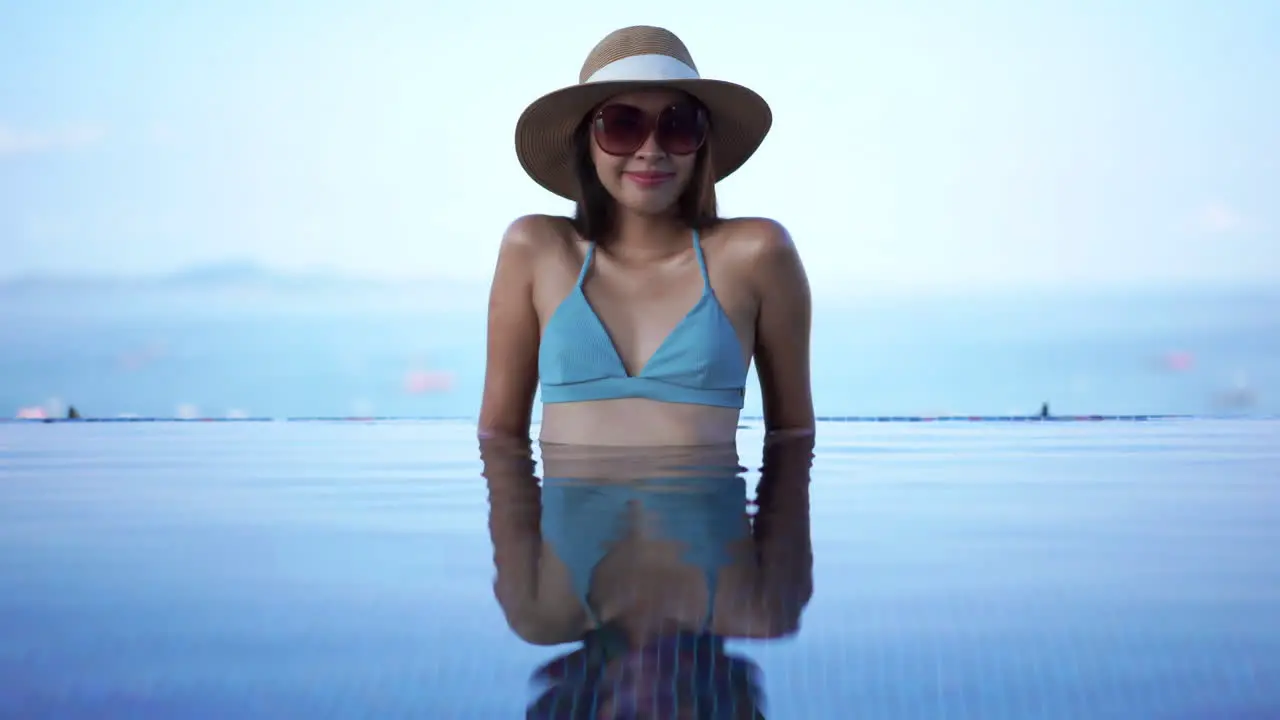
701	361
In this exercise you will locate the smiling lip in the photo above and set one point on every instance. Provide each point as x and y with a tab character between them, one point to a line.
649	179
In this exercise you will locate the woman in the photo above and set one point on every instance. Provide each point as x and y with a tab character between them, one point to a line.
641	314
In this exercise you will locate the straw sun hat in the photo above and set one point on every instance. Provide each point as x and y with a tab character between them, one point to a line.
626	60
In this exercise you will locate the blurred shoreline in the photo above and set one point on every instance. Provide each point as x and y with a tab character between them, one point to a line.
239	285
238	340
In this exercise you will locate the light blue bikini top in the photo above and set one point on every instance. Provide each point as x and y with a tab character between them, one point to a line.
700	363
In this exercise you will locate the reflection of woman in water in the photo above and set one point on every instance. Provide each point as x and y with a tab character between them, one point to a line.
640	315
650	576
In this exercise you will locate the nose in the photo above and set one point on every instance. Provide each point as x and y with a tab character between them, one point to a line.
650	149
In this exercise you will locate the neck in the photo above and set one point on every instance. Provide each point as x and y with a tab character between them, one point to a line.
647	236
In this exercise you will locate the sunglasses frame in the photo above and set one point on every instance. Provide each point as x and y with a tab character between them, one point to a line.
653	124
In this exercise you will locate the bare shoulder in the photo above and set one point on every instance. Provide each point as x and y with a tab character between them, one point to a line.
537	235
755	230
763	249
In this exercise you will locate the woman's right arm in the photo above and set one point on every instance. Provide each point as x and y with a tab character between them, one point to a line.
511	364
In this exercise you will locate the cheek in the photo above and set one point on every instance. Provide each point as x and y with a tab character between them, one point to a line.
685	168
608	167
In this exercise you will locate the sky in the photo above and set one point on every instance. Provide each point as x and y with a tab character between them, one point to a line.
915	146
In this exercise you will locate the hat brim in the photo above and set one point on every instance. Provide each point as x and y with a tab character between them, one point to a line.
740	120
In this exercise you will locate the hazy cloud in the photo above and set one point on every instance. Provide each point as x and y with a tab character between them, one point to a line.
50	228
19	142
163	135
1218	218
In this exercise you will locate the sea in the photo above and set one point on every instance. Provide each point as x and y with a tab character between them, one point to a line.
1192	352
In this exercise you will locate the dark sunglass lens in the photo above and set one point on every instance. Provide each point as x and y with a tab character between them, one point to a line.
621	129
682	129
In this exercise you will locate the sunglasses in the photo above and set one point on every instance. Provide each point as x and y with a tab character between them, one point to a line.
623	129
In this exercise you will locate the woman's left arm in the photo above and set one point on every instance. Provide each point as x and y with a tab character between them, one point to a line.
783	326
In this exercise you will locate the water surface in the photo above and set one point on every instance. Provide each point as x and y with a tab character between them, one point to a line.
961	570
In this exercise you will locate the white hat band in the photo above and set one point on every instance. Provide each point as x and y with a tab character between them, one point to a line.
646	68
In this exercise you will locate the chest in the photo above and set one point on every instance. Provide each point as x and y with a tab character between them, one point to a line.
640	309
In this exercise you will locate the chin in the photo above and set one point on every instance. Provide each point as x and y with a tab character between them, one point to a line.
650	205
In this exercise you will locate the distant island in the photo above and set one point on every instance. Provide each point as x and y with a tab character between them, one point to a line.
210	275
234	283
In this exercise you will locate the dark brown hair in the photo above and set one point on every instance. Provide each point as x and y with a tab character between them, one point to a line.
593	215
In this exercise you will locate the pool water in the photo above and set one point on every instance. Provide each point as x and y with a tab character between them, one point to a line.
1077	570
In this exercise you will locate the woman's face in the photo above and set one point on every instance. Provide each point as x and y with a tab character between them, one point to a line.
650	179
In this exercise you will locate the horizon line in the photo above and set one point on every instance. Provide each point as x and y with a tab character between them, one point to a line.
951	418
